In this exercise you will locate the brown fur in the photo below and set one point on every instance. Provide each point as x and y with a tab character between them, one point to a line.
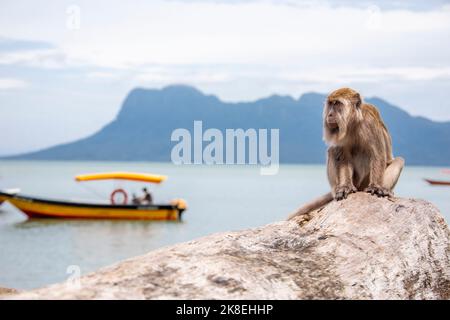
360	150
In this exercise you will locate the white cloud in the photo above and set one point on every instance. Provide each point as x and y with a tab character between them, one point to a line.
374	75
102	75
385	4
47	58
120	36
161	76
10	84
252	33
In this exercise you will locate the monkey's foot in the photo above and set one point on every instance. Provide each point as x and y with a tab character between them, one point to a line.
343	192
378	191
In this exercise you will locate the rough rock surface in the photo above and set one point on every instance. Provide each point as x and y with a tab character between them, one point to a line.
359	248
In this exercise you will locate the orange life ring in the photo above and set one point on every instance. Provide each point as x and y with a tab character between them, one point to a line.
119	191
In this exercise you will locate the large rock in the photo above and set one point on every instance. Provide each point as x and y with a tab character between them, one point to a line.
360	248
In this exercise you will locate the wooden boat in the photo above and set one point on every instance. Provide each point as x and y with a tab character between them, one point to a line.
46	208
7	193
438	182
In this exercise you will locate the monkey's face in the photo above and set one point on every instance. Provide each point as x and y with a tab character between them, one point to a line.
337	115
342	108
332	115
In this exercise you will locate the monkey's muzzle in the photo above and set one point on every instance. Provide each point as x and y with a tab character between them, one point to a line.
332	124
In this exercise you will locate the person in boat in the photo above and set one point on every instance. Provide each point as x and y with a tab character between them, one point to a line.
135	200
145	199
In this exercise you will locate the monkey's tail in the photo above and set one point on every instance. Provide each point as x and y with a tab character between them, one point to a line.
313	205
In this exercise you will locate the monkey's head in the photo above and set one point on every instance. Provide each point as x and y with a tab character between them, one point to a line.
342	110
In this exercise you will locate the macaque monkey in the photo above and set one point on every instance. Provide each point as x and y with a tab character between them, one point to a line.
360	150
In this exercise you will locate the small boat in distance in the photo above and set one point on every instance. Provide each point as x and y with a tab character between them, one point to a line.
46	208
437	182
9	192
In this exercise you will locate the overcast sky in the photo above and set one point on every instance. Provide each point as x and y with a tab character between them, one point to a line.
66	66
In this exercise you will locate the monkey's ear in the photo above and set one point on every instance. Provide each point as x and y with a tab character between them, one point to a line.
357	100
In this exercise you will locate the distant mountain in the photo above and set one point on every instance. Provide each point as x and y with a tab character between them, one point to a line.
144	125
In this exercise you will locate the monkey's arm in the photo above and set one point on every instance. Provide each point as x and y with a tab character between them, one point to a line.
340	174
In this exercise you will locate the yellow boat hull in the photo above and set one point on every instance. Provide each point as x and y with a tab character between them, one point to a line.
41	208
3	198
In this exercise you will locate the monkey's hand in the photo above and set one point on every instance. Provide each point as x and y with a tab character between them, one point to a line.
342	192
379	191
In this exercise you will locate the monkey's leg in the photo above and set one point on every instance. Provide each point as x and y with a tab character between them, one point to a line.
392	173
378	167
